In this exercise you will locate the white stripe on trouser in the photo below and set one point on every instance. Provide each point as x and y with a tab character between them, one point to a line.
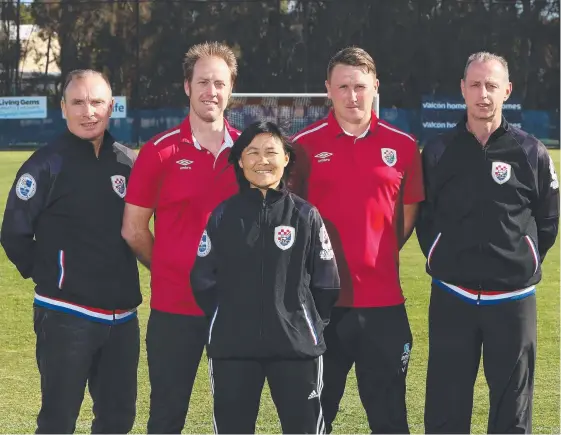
320	427
211	377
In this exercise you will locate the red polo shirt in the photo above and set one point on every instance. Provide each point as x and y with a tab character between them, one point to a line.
355	183
184	183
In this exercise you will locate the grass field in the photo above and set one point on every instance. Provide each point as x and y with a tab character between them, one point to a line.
19	379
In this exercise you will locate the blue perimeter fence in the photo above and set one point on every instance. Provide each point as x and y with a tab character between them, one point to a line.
32	133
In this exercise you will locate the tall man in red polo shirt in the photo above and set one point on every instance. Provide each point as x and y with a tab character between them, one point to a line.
180	175
364	176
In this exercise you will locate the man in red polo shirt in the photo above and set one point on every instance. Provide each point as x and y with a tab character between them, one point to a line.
364	176
180	176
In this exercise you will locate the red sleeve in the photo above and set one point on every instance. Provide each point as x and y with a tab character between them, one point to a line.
298	181
414	190
144	181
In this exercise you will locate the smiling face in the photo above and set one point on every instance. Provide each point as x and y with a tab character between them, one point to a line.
485	88
352	90
87	106
210	88
263	162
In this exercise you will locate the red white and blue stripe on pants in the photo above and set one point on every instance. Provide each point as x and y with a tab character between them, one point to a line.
110	317
482	297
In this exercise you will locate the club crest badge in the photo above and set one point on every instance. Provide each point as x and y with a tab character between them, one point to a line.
326	248
500	172
204	245
389	156
26	187
284	237
119	184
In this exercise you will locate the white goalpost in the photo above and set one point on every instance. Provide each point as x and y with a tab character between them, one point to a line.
291	111
297	96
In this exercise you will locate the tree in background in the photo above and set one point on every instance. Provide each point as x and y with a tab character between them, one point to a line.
284	45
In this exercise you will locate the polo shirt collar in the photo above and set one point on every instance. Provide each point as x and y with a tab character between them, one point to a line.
186	135
338	131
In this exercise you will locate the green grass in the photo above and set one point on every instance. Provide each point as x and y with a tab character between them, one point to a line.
19	378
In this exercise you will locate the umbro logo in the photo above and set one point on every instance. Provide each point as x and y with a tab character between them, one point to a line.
323	157
184	163
313	394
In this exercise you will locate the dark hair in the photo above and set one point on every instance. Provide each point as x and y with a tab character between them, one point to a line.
352	56
247	137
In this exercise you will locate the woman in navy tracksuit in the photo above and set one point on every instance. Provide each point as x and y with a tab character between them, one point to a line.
266	275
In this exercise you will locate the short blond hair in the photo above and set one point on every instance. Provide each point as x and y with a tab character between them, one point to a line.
352	56
80	74
485	56
209	49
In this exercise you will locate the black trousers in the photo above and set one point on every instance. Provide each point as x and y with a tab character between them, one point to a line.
295	389
72	351
378	341
458	331
174	344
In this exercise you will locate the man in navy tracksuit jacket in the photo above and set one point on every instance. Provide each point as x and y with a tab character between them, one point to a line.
62	228
490	216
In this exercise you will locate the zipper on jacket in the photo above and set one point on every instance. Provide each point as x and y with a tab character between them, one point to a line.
481	212
263	220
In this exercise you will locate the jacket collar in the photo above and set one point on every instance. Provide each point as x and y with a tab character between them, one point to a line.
461	127
272	196
107	142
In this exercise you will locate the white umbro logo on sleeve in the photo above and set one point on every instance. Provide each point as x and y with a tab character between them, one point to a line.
323	157
184	163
